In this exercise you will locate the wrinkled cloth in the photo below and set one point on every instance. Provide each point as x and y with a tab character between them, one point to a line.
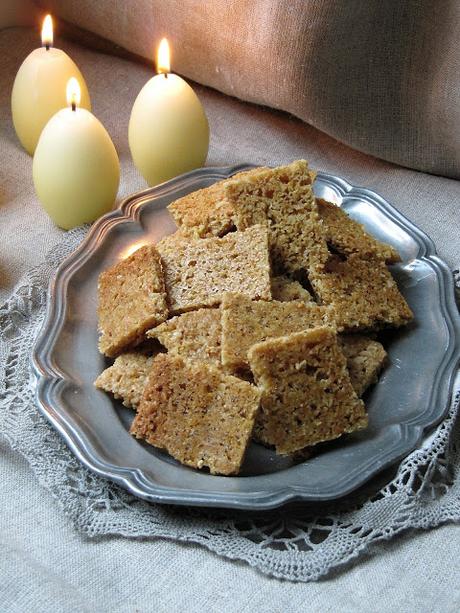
54	552
383	77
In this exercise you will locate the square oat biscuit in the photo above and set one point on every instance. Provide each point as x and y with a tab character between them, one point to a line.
283	199
362	292
365	359
126	378
205	212
347	236
307	396
199	415
285	290
246	322
198	271
195	335
132	299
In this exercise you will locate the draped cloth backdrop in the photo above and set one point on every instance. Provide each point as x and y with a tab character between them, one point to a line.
382	77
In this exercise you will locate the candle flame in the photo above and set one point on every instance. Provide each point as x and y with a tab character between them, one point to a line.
73	92
47	31
163	62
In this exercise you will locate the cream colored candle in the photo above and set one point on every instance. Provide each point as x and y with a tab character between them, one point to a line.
76	170
168	128
39	88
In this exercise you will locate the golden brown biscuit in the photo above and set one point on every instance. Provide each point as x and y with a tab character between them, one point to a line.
195	335
199	415
198	271
283	199
362	292
205	212
246	322
365	359
132	299
126	378
307	396
347	236
285	290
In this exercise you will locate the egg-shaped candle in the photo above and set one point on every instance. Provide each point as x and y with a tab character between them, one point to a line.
168	128
39	88
76	170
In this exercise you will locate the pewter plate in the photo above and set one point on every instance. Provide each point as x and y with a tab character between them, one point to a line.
411	396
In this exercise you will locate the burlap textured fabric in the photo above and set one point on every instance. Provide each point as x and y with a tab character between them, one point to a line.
383	77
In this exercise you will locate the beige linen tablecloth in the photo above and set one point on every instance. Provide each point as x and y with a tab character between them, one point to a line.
45	564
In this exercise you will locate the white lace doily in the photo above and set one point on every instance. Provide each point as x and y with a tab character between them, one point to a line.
301	543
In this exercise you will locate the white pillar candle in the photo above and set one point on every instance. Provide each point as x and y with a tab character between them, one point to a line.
39	88
168	128
76	170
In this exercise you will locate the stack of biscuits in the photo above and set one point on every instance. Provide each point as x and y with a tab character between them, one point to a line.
255	320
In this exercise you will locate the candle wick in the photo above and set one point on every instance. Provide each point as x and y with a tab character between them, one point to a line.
166	75
47	46
74	106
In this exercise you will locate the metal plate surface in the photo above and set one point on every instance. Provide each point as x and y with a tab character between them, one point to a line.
410	398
